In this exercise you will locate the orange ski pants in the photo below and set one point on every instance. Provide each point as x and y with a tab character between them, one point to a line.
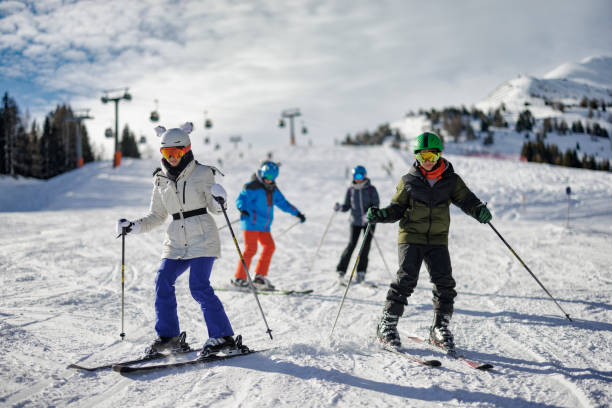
250	249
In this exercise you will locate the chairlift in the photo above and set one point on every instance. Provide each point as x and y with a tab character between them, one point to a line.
281	123
142	140
208	124
206	140
154	114
108	133
304	130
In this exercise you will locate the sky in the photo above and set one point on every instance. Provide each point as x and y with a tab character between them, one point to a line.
347	65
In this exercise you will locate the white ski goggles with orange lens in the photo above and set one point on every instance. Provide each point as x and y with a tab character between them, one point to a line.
177	152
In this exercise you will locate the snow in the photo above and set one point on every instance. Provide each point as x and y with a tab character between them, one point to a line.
62	299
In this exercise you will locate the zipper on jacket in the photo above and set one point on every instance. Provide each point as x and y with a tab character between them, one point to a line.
184	188
362	209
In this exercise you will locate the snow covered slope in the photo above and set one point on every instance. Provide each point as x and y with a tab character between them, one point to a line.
61	285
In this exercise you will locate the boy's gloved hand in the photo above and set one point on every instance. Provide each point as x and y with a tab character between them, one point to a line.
245	213
375	215
301	216
337	207
484	215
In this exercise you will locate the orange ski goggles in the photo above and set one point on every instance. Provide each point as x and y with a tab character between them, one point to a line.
177	152
422	157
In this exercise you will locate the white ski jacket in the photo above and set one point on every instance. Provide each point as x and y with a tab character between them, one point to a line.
190	237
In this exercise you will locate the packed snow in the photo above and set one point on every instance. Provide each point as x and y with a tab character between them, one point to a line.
61	273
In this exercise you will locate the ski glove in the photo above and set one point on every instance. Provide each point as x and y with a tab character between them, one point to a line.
484	215
301	216
128	225
219	194
337	207
245	213
375	215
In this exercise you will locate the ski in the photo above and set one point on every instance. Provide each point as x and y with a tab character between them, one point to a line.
156	356
402	352
471	363
208	359
368	284
285	292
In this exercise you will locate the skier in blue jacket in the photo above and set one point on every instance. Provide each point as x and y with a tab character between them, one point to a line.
256	204
360	196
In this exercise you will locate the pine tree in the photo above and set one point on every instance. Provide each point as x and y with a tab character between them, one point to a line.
129	148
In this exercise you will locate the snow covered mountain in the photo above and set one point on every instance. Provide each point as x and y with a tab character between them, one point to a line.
61	303
568	83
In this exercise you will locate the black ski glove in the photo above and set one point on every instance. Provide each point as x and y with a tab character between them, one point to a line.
375	215
301	216
245	213
483	215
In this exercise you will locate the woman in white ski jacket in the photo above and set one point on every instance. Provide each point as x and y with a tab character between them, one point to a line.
186	191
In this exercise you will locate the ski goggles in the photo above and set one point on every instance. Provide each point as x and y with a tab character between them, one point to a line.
177	152
358	176
422	157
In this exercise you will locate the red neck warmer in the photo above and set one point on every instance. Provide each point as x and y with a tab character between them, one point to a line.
435	173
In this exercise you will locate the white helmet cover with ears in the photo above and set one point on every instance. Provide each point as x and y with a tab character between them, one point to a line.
175	137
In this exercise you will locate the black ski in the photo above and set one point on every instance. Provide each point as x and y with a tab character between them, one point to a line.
402	352
268	292
156	356
453	354
208	359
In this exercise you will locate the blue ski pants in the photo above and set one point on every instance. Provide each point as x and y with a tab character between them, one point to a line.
167	324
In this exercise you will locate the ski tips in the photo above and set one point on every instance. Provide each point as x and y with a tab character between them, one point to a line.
484	367
432	363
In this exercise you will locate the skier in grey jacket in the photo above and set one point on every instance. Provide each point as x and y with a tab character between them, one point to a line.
360	196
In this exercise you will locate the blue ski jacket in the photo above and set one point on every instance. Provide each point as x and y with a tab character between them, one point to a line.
259	199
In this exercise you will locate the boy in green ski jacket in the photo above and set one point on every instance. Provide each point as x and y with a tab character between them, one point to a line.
421	205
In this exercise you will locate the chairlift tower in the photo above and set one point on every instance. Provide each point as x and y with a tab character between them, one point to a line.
116	98
78	118
289	114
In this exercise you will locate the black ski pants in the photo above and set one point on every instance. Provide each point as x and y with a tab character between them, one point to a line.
348	251
437	261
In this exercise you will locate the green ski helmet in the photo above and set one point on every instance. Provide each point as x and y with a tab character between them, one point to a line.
427	140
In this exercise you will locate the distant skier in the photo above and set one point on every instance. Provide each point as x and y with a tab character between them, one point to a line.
256	203
421	204
360	196
184	189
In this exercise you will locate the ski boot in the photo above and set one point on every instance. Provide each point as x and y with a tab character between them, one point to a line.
360	277
440	335
226	345
239	283
175	344
262	283
386	331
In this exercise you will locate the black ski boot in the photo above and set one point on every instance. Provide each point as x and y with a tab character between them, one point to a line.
360	276
386	331
175	344
215	345
439	333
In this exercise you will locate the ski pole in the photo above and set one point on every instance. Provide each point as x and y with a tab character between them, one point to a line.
321	241
382	256
367	231
529	270
287	229
123	233
225	226
246	270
